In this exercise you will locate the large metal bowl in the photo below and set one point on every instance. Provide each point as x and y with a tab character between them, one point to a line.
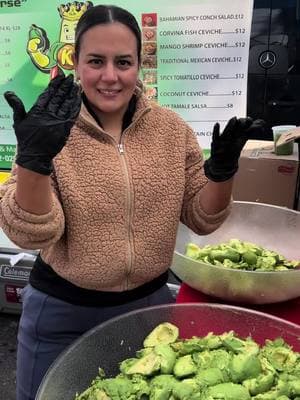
109	343
275	228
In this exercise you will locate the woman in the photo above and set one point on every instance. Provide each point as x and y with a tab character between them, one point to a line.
101	194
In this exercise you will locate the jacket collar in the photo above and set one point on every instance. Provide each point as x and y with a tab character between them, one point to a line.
86	120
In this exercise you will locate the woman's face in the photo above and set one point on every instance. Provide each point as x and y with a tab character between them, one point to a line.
108	67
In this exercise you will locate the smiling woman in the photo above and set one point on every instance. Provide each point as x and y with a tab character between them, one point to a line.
108	72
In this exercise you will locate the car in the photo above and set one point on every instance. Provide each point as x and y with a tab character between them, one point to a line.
274	63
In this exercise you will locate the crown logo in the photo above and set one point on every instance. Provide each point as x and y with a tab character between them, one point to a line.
73	11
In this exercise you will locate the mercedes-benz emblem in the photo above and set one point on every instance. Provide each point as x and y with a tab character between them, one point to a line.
267	59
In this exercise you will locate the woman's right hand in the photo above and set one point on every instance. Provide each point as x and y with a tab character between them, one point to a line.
43	131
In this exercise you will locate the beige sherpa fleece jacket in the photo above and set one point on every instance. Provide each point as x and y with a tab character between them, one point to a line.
116	206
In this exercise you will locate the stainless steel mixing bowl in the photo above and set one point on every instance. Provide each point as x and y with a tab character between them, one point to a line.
275	228
109	343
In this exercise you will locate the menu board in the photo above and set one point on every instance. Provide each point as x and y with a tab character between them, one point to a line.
194	56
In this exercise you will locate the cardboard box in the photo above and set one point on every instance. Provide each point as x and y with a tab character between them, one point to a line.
265	177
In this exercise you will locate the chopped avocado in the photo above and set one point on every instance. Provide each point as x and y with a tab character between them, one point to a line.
280	355
219	358
249	257
143	352
184	366
146	365
227	391
168	357
192	251
209	377
161	387
212	367
115	388
238	345
101	395
238	254
183	390
244	366
195	344
141	386
271	395
163	333
294	387
260	384
163	380
266	263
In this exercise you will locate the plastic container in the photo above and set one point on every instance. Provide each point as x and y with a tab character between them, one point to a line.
287	148
109	343
14	275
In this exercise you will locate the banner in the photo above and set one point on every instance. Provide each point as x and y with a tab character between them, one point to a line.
194	61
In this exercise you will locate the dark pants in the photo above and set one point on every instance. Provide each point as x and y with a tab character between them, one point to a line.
48	326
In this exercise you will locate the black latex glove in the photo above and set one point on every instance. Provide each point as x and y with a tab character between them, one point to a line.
226	147
43	131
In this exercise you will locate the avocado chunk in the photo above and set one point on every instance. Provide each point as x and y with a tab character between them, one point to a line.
209	377
192	251
249	257
162	387
261	384
183	390
167	357
184	366
164	333
147	365
244	366
227	391
280	355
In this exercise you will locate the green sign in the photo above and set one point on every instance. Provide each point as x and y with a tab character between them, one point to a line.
7	154
194	56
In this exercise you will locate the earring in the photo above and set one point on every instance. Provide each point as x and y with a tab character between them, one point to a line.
77	81
139	88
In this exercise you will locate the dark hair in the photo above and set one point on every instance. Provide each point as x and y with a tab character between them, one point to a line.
103	14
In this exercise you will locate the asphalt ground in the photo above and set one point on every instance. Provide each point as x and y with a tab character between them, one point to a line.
8	351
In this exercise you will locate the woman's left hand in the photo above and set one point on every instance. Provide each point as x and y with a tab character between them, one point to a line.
227	146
